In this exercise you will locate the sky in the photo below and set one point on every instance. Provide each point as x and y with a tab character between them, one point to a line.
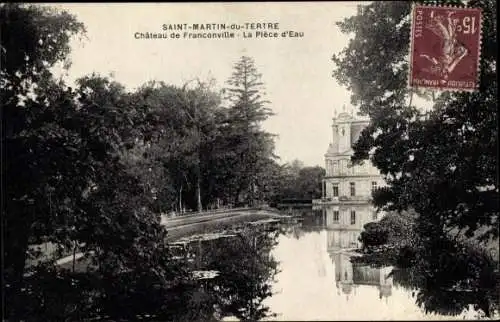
297	72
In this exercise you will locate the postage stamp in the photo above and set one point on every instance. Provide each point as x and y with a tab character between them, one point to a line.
445	48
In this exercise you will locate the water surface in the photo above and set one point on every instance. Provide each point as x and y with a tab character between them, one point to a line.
317	280
304	272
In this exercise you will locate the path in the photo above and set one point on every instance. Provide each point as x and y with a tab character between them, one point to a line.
184	225
177	222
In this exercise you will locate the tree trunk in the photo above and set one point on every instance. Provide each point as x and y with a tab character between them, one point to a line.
74	256
252	193
180	200
199	206
237	196
198	194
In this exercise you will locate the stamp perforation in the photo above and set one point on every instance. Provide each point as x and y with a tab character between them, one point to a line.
452	27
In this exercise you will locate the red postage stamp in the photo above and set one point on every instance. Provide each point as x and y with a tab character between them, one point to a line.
445	48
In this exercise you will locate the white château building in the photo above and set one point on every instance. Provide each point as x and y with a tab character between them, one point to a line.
346	193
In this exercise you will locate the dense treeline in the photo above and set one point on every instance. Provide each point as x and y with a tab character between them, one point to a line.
91	168
442	165
294	180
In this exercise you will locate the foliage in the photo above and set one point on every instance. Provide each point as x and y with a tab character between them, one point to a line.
448	282
247	110
442	163
391	240
309	182
36	143
84	195
452	150
182	126
400	227
200	148
296	181
374	234
89	169
246	270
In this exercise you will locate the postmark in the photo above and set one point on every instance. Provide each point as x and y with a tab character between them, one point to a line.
445	48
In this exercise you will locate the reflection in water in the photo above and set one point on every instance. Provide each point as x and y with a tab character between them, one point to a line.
338	239
349	276
244	273
318	281
451	277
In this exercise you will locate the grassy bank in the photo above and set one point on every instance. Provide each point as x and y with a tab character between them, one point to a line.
217	225
201	227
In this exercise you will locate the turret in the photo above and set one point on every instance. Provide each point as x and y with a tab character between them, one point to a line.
344	132
335	136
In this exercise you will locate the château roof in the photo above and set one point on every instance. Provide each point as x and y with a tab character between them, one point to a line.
344	115
331	151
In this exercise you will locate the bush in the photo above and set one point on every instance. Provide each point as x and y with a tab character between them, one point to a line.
373	235
396	229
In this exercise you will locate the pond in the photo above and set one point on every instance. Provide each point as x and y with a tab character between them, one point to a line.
303	271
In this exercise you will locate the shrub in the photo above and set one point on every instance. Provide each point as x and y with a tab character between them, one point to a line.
373	235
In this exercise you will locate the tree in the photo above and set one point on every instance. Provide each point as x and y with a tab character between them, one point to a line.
269	182
67	182
185	125
169	147
199	105
310	180
295	166
246	112
442	163
35	145
91	168
451	150
297	181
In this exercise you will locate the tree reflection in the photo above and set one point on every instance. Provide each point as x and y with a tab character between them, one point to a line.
448	276
245	273
295	230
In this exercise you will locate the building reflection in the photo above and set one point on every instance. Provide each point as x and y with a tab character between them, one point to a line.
348	275
342	239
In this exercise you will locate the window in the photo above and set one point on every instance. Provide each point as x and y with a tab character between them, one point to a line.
335	167
353	217
335	189
374	185
336	216
374	215
353	188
